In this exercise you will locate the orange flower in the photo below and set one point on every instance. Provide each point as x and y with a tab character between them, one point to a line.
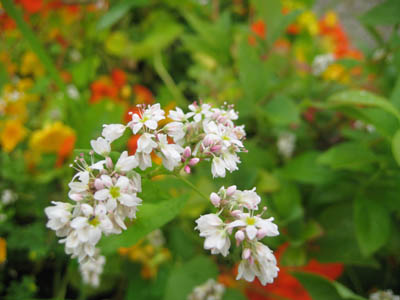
259	29
3	250
65	150
102	89
132	144
143	94
11	134
31	6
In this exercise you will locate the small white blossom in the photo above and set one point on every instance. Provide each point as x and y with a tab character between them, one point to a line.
384	295
148	118
112	132
101	146
211	290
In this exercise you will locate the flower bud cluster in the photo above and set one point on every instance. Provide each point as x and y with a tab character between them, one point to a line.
211	290
237	218
384	295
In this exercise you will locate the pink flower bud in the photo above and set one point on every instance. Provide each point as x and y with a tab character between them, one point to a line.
231	190
98	184
194	161
239	236
187	152
76	197
207	141
215	199
246	254
187	169
236	213
109	163
215	148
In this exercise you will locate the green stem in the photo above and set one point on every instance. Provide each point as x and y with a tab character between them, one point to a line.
191	185
167	79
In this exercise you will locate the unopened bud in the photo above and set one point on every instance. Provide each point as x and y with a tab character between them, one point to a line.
261	233
239	236
246	254
76	197
187	152
215	199
236	213
109	162
194	161
231	190
187	169
215	148
98	184
207	141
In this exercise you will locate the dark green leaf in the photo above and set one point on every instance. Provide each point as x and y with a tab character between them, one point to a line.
282	111
386	13
396	147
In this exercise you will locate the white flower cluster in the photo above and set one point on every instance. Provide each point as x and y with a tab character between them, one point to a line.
237	212
7	198
105	192
384	295
211	290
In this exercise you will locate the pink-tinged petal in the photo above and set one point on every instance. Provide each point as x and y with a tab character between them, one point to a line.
236	223
107	181
122	183
102	195
127	200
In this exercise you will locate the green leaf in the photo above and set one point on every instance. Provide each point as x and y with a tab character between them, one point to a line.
348	156
396	147
85	71
372	223
232	294
322	288
149	217
287	202
34	43
184	278
305	169
282	111
278	29
386	13
118	11
363	98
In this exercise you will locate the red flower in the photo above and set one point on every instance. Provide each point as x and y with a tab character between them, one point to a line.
101	90
259	29
132	144
31	6
118	77
143	94
287	286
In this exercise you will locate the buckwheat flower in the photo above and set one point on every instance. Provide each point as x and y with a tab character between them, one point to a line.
246	198
213	229
176	130
321	63
86	230
120	191
204	110
261	263
92	269
147	117
218	167
286	144
231	160
179	115
144	160
59	217
112	132
384	295
210	290
255	226
170	153
101	146
8	197
126	163
79	189
145	143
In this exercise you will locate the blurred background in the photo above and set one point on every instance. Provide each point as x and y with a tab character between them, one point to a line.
316	84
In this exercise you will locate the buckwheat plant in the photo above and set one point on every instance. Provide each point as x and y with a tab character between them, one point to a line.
105	192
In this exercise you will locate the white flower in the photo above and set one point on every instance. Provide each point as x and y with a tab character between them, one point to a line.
179	115
59	217
321	63
92	268
211	290
176	130
384	295
144	160
231	160
86	230
72	91
8	197
112	132
126	163
145	143
218	167
262	263
148	117
101	146
212	228
170	153
120	191
255	226
200	111
246	198
286	144
79	189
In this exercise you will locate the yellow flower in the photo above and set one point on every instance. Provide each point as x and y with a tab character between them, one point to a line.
51	138
307	20
11	134
31	65
336	72
3	250
330	18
